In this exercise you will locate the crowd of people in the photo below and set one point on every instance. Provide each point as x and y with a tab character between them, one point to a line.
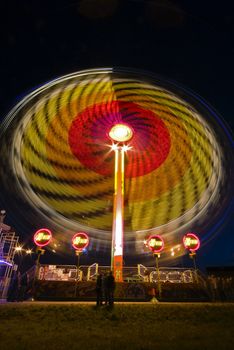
105	286
221	287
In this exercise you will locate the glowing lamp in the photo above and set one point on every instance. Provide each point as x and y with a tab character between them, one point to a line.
155	243
18	249
121	133
191	242
80	241
42	237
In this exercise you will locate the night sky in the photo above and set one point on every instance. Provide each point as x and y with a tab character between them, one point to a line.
190	42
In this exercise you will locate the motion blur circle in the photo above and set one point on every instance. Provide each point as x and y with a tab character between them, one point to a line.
56	147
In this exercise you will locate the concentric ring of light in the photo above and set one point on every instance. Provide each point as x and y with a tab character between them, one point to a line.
120	133
54	144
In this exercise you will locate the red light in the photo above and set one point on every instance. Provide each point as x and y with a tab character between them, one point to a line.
92	126
155	243
191	242
80	241
42	237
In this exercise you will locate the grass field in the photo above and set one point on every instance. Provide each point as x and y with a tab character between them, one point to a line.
132	326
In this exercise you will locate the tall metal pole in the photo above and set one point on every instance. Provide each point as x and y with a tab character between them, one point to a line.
119	133
118	216
78	252
158	274
78	264
40	252
193	256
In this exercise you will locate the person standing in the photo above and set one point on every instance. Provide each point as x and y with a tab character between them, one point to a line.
14	288
99	284
23	286
110	288
18	286
105	288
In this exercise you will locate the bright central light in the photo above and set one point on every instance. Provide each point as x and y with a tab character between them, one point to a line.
120	133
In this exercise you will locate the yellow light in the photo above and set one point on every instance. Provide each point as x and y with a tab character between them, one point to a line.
114	147
126	148
154	243
79	240
18	249
42	236
121	133
190	241
28	251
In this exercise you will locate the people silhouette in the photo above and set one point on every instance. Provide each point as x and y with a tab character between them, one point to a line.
110	284
99	284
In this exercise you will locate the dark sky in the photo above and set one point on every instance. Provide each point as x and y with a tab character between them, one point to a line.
190	42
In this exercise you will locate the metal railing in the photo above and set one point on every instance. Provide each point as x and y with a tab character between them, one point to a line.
139	273
59	273
172	276
92	272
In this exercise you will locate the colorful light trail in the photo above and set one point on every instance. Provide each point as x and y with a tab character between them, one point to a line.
57	148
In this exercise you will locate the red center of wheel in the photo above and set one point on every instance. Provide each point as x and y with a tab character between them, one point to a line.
89	141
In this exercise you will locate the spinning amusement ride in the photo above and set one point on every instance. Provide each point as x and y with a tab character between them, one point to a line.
120	155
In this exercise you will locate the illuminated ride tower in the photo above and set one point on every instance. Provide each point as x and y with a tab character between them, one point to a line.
120	134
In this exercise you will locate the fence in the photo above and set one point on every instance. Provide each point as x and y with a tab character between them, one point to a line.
139	273
59	273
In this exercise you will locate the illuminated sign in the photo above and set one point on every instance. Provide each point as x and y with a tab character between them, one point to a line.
42	237
191	242
80	241
155	243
